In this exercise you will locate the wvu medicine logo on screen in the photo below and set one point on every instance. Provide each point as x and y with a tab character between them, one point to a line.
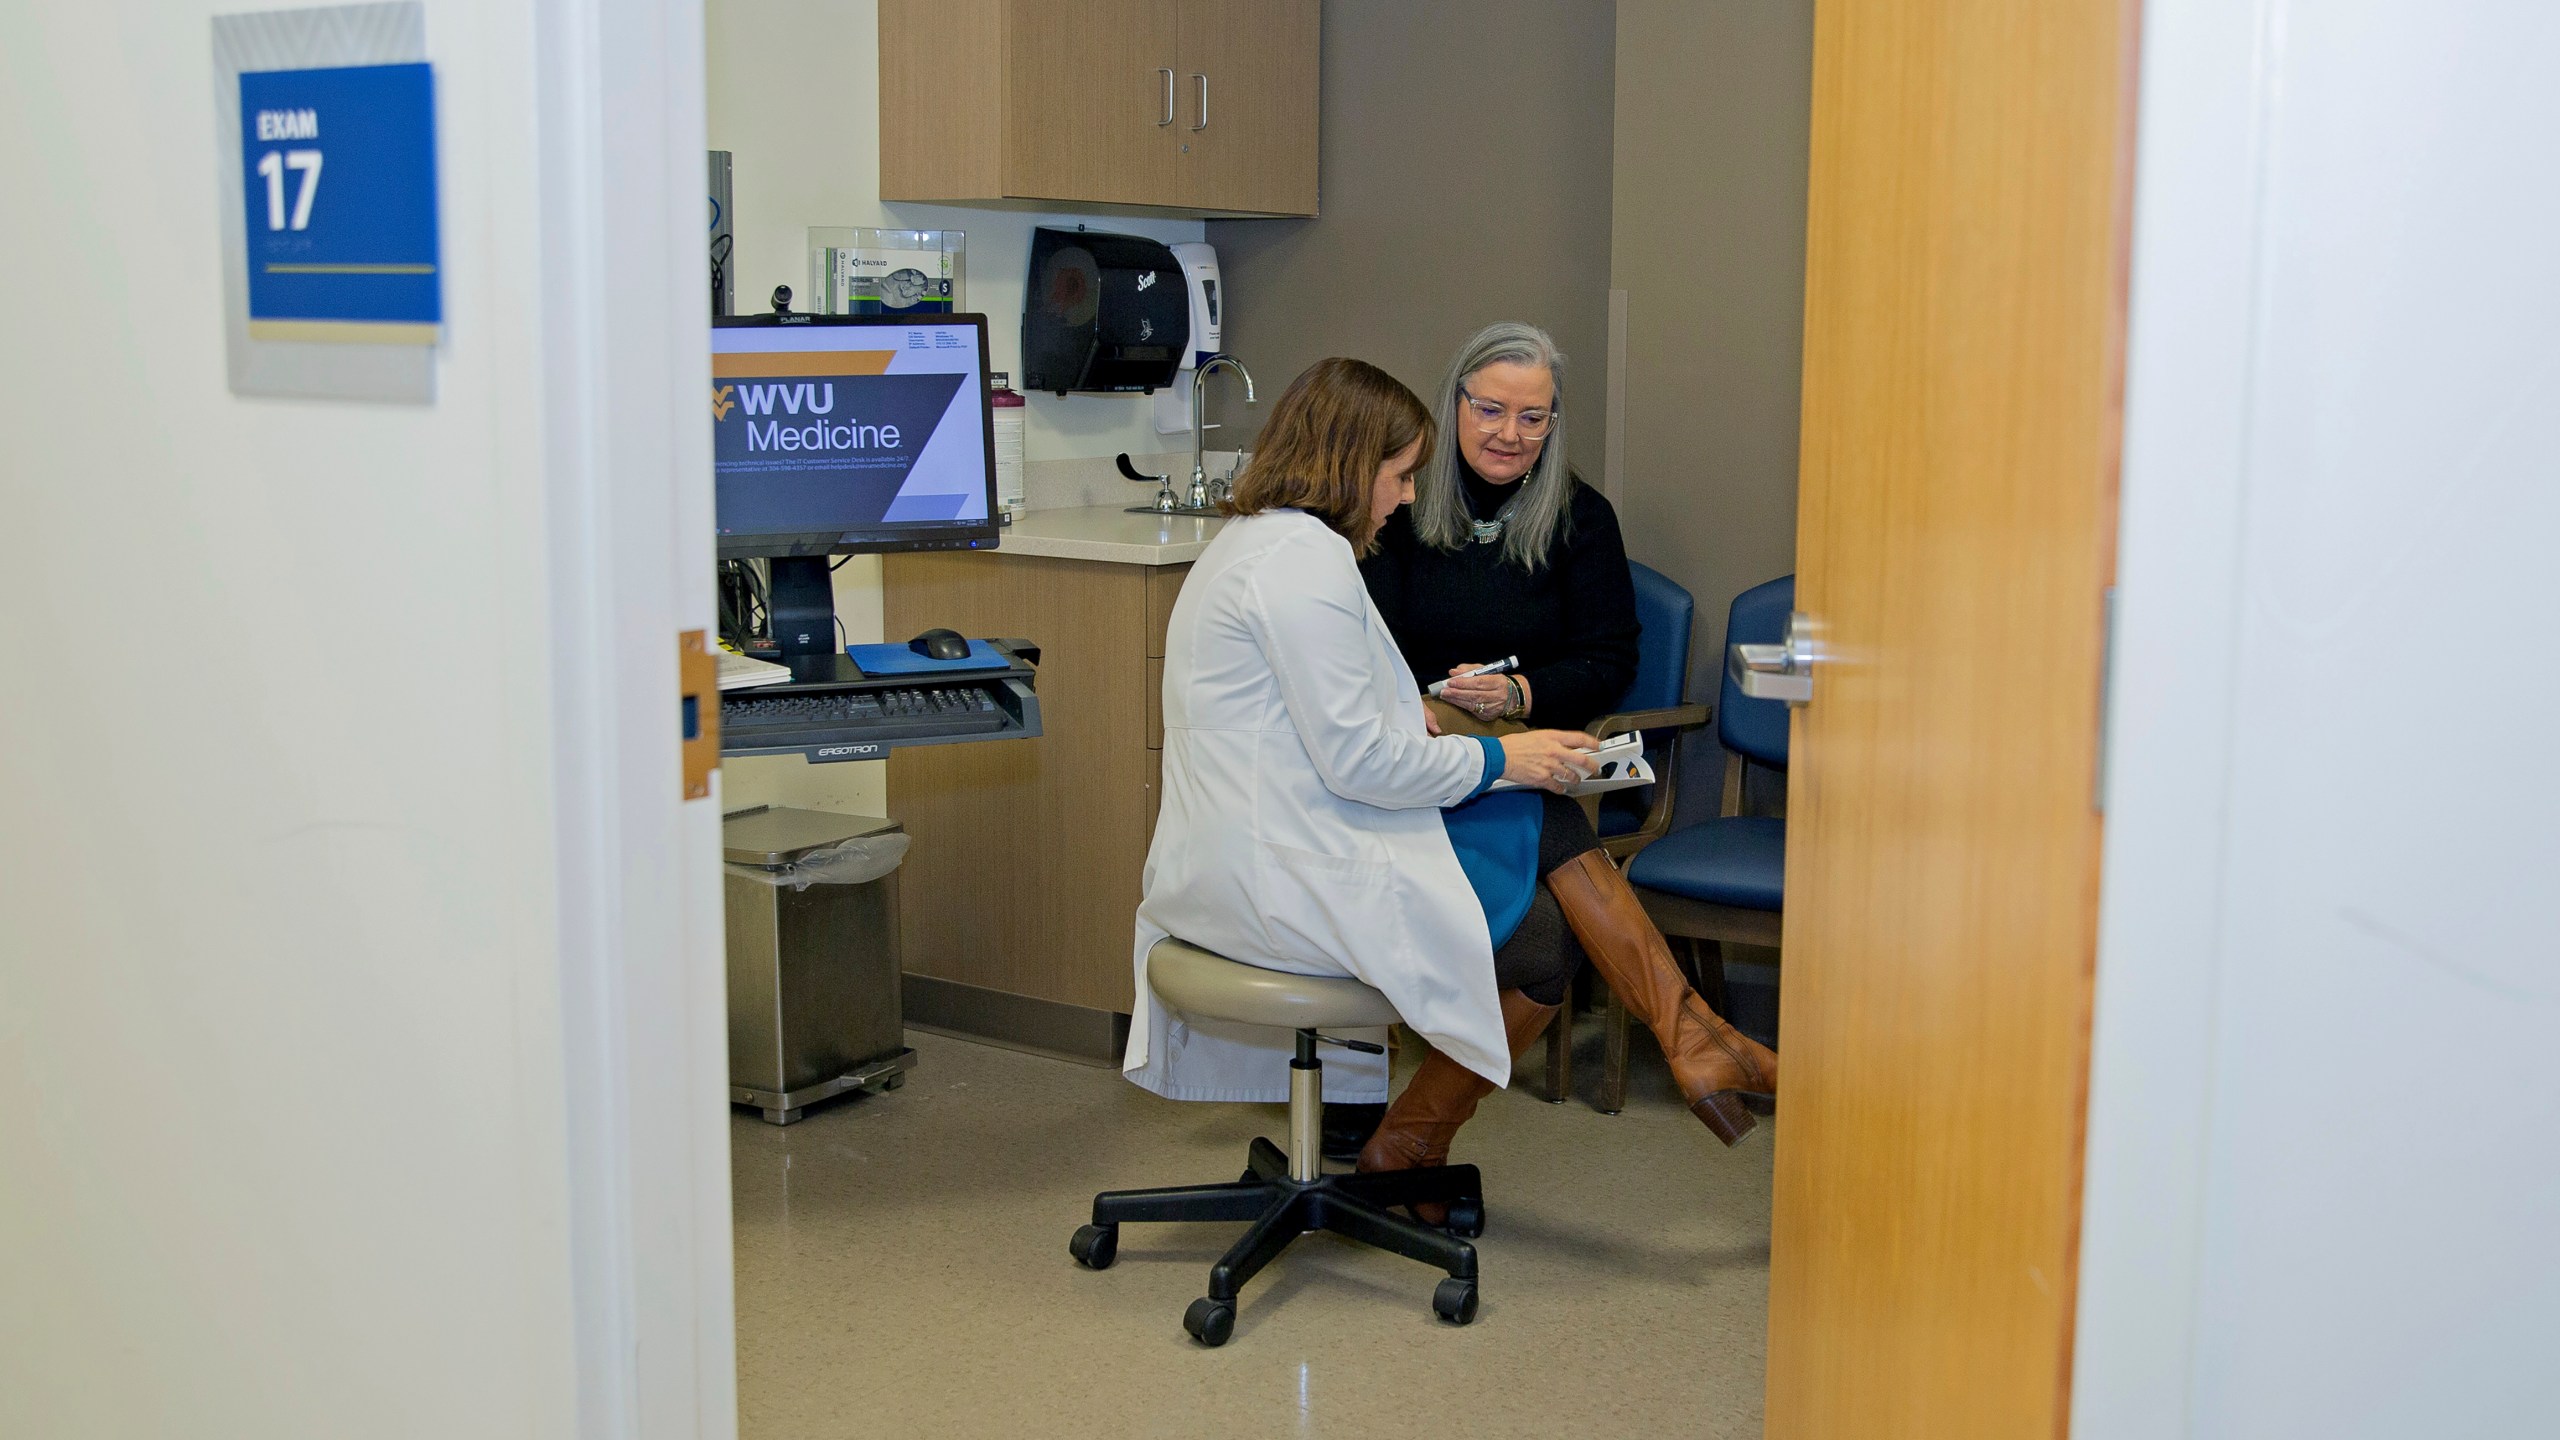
793	398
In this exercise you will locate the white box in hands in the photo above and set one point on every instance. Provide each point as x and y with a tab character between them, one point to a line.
1617	765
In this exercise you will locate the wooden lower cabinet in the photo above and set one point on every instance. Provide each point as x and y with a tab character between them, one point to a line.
1023	877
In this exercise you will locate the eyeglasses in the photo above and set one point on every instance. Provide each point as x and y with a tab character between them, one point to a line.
1489	416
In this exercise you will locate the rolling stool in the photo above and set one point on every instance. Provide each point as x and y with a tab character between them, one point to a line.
1286	1196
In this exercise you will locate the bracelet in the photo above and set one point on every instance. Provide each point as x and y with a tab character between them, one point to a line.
1519	702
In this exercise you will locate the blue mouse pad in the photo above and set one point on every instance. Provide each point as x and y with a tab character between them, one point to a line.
899	660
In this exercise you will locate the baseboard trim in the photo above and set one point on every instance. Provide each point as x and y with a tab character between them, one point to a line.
1016	1022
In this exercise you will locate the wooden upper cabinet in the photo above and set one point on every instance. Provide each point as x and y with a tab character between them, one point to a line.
1087	98
1100	102
1249	105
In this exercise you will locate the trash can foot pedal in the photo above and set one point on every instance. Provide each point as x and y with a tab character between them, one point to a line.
781	1107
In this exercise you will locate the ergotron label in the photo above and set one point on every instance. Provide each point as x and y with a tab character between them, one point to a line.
870	751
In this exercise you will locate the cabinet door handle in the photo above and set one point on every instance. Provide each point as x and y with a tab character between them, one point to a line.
1204	100
1168	95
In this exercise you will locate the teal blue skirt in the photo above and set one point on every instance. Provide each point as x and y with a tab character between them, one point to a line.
1496	837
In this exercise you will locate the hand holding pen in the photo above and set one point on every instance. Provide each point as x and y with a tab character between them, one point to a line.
1485	691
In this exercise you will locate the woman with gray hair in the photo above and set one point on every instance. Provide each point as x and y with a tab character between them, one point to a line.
1504	553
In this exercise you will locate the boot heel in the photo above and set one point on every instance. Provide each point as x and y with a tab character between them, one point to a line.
1725	1116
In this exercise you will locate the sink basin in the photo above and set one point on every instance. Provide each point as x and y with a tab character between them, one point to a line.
1193	511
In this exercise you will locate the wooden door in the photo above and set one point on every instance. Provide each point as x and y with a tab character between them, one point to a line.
1086	101
1252	146
1964	314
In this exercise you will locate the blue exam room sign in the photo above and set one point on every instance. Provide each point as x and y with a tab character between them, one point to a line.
340	170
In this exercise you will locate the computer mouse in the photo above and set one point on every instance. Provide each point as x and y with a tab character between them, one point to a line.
941	645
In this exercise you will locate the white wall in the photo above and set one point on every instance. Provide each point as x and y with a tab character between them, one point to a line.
285	1146
795	97
2322	1181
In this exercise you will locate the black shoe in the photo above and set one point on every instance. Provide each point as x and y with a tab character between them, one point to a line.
1347	1127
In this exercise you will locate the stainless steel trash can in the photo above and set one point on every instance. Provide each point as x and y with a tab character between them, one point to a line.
813	973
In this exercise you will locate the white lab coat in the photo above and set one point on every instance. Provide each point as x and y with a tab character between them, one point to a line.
1300	823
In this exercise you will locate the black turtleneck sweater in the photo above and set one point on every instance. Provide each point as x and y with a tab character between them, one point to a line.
1572	623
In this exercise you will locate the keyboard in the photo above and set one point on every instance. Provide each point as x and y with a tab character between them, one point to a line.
747	718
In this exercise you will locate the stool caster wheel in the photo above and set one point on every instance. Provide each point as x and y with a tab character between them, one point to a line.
1466	1218
1212	1321
1455	1301
1095	1246
893	1080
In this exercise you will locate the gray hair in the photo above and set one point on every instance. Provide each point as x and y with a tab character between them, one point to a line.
1546	493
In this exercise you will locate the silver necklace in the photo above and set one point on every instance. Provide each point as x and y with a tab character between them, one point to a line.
1485	532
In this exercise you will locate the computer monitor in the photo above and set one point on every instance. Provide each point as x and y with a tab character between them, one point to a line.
847	434
851	434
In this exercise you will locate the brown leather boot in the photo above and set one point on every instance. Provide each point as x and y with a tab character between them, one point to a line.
1442	1096
1714	1063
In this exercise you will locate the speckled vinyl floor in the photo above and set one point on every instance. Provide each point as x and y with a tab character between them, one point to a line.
902	1271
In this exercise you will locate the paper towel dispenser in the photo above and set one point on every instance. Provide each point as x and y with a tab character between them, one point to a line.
1102	312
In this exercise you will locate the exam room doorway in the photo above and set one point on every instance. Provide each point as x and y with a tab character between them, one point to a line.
1158	1276
1899	475
1864	459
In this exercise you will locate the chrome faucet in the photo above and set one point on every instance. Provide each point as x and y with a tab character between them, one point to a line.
1200	499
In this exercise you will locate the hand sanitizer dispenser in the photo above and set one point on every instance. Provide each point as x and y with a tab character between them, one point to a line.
1199	264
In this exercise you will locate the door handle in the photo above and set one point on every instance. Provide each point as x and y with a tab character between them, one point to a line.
1204	100
1783	671
1168	95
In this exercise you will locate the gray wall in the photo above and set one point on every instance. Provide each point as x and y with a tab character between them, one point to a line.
1715	108
1465	166
1517	159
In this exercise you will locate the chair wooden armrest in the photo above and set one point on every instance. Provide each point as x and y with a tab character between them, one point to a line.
1670	717
1666	781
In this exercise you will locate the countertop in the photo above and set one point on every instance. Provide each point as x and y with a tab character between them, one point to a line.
1109	533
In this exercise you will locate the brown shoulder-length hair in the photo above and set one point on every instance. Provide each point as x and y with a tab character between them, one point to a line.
1321	448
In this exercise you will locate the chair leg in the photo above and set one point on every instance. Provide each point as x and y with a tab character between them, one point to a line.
1284	1221
1266	1161
1350	1217
1560	1053
1613	1078
1240	1201
1432	1184
1706	967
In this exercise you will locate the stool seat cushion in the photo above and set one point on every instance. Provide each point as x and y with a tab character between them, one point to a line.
1738	860
1213	987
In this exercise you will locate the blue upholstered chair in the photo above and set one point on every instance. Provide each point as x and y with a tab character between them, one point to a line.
1628	820
1722	880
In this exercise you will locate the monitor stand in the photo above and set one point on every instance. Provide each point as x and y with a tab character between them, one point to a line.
801	602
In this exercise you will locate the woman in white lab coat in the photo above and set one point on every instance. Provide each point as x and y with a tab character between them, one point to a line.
1301	825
